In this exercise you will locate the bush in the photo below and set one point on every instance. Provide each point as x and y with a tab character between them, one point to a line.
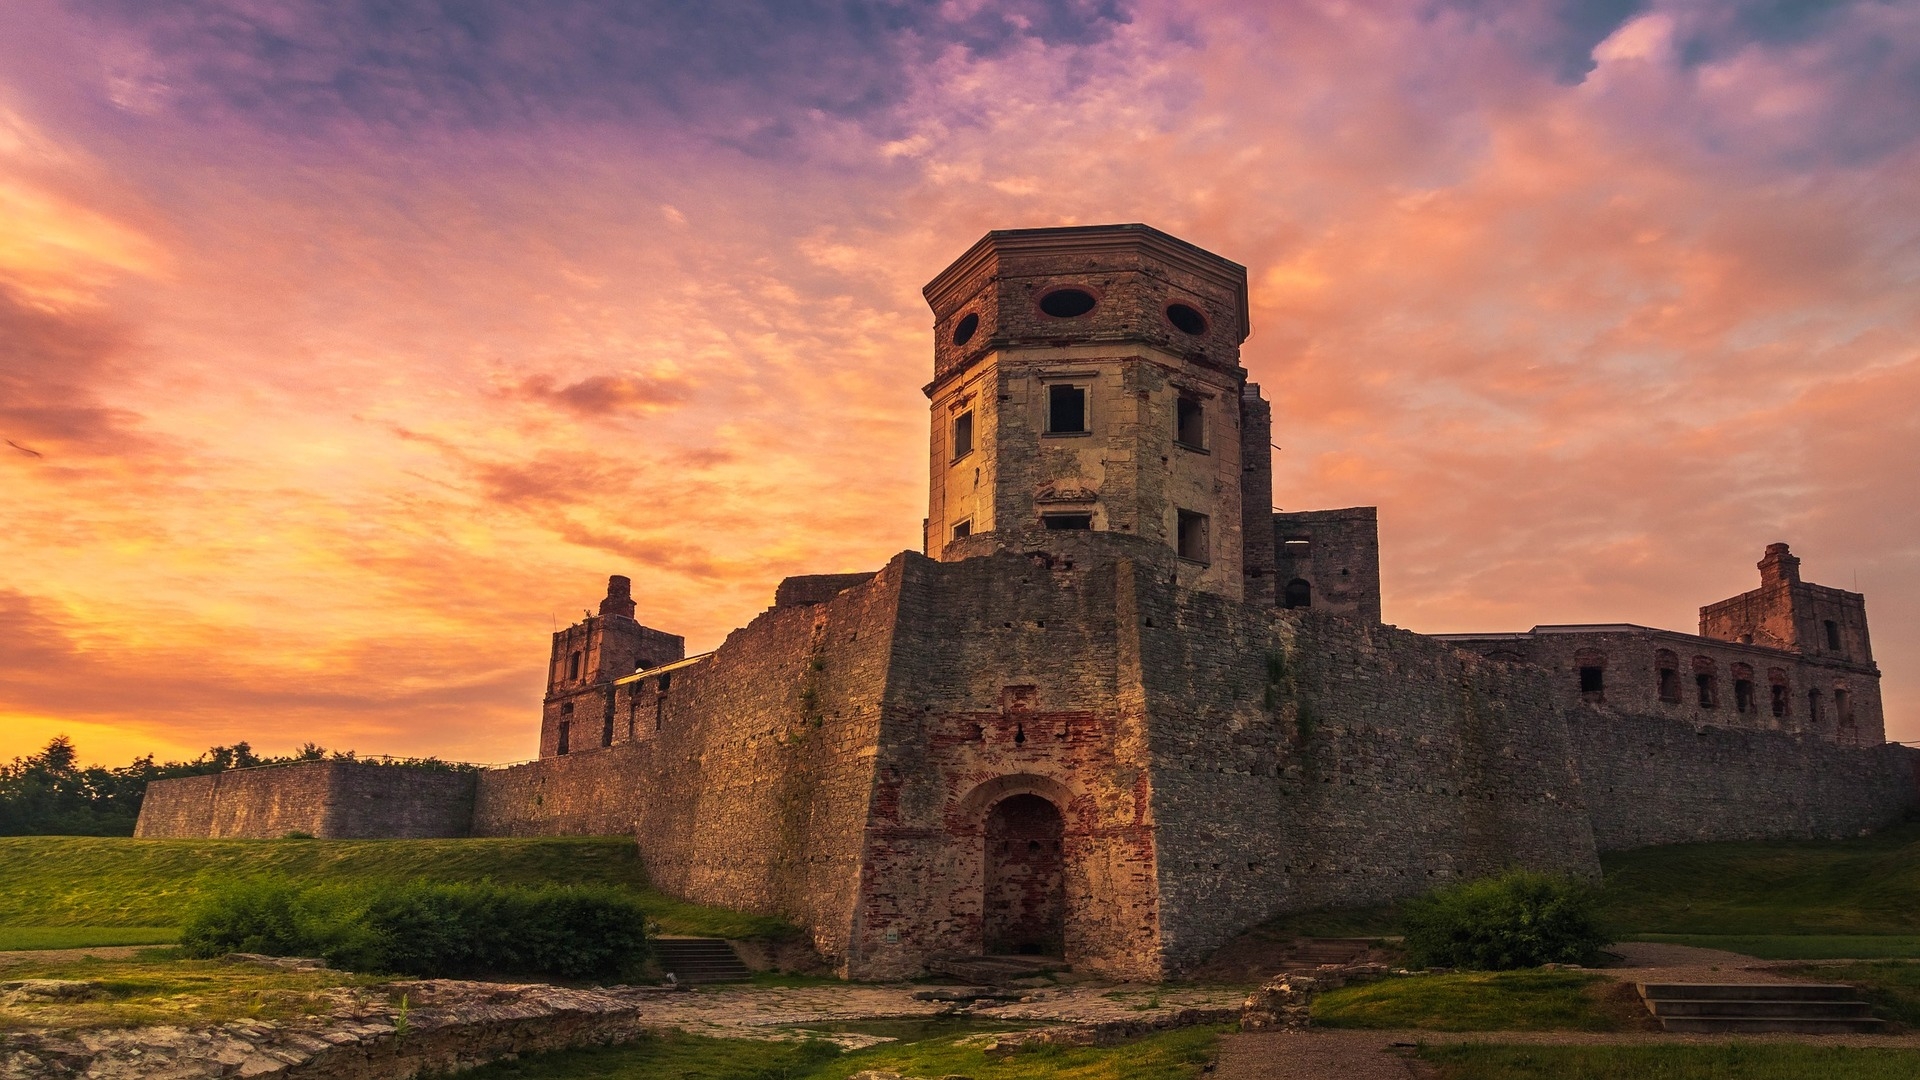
1519	919
429	928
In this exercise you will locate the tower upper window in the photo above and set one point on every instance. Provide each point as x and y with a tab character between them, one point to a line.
1186	319
1833	636
963	529
1066	410
1190	422
964	329
963	435
1068	303
573	666
1192	541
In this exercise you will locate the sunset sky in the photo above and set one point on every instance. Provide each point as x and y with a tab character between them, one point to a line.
346	348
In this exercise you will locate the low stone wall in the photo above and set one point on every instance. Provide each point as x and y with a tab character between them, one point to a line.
336	800
1649	780
448	1027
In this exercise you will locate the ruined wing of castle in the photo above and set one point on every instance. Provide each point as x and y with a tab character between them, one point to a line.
1118	709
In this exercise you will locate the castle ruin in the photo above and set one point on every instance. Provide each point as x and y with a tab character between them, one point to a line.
1118	709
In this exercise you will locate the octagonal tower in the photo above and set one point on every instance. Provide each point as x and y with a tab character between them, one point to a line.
1089	379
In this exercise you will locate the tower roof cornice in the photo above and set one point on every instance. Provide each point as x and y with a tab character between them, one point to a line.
1095	241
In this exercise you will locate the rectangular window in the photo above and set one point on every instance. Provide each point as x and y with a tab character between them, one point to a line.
1743	695
566	735
1815	715
1190	426
1066	410
1669	686
1709	695
1192	541
963	529
1833	636
1593	680
606	731
1779	700
1067	521
1843	707
573	666
963	435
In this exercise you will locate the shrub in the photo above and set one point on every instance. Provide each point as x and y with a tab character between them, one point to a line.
260	915
430	928
1519	919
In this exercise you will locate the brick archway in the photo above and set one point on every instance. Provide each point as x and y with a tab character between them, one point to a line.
1025	869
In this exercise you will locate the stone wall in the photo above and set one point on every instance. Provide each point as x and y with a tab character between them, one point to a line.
1652	781
749	786
340	800
1302	760
1010	678
1629	661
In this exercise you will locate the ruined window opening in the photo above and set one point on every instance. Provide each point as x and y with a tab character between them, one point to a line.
1843	707
566	736
1068	303
1066	410
1708	692
1779	700
1058	522
566	708
963	529
1743	695
573	666
1297	594
1190	422
1669	686
1187	319
606	730
666	681
1833	636
963	435
1192	541
963	330
659	714
1815	713
1593	680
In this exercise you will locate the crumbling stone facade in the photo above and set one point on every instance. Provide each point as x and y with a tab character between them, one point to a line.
1119	710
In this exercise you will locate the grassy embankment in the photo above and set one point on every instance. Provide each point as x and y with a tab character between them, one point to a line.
1785	900
74	891
1775	899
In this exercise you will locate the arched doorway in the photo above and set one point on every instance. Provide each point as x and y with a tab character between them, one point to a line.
1026	895
1297	594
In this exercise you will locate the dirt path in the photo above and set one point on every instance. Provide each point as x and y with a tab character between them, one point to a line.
59	956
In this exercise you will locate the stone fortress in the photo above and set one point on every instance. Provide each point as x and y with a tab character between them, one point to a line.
1119	710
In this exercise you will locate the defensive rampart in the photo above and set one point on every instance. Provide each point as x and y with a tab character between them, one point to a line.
341	800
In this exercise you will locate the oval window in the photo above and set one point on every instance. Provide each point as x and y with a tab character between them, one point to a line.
963	330
1187	320
1067	303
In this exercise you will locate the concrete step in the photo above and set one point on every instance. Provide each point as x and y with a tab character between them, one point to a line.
1751	1024
700	960
1805	1008
1802	1009
1749	991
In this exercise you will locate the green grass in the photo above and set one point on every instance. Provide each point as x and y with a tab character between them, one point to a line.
157	987
926	1050
1749	1061
1480	1001
1801	946
14	938
1848	887
96	882
1893	987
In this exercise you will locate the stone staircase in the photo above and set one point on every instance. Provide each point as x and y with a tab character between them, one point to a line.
698	961
1807	1008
